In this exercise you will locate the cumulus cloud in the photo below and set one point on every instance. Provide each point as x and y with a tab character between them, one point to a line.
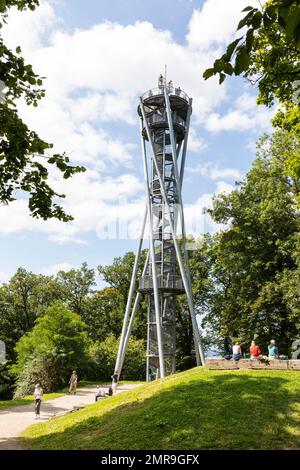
215	23
244	115
55	268
4	277
94	78
212	171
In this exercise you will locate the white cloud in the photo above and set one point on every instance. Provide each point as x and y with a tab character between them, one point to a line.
110	65
244	115
195	143
212	171
55	268
94	78
4	277
223	187
92	201
215	23
197	222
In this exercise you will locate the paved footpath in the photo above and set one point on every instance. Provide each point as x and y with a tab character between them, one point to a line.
14	421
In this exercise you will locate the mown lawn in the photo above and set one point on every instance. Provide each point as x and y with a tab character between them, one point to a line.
196	409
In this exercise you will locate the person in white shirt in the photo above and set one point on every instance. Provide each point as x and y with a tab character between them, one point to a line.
100	393
38	393
236	351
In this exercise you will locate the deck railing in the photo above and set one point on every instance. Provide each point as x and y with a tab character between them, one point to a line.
172	91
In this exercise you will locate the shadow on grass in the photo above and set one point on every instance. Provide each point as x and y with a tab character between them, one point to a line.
228	411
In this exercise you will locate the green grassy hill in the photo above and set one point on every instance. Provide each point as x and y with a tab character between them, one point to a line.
196	409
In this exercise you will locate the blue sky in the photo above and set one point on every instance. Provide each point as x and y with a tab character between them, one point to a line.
99	57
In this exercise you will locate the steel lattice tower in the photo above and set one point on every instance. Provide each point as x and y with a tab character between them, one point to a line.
165	115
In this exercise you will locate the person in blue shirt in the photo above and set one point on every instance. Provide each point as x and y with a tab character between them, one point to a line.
273	350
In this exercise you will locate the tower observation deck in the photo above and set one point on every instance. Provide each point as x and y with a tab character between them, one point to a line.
165	114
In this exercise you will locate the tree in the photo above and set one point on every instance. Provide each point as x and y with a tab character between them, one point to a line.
103	313
25	297
55	346
202	288
104	356
22	152
78	284
267	51
118	276
256	254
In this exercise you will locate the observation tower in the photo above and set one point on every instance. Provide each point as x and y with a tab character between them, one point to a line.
165	114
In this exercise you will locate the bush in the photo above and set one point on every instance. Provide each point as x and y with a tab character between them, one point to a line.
47	355
103	358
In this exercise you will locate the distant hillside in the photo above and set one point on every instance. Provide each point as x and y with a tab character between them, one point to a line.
196	409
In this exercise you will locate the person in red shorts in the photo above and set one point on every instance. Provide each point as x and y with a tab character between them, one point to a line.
254	351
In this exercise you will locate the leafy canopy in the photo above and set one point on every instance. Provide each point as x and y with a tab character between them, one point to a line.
267	51
255	259
24	157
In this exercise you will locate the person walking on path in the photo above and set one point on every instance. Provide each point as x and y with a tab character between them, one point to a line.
38	393
73	382
273	350
254	351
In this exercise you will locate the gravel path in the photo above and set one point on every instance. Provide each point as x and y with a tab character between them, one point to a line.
14	421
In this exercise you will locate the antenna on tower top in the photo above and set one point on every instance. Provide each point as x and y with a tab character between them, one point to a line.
165	73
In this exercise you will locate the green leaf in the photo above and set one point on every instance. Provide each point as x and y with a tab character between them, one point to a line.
297	36
245	21
2	6
249	39
290	19
247	8
267	20
242	61
208	73
18	50
228	69
256	21
222	77
231	48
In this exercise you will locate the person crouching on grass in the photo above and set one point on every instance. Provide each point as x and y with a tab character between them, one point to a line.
38	393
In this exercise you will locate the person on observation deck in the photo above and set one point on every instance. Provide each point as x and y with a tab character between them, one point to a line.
160	81
170	86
